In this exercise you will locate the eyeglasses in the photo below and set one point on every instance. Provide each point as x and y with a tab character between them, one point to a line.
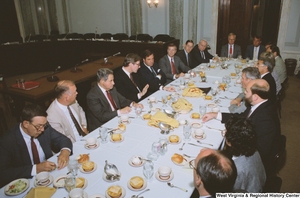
39	127
191	164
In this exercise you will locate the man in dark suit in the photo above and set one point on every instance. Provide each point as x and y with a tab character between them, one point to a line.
127	82
254	50
231	50
265	67
24	149
104	102
172	65
264	118
185	55
200	54
150	74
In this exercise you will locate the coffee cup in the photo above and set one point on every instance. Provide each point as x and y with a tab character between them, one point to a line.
215	109
136	160
164	172
199	133
42	177
76	193
152	99
91	141
124	118
187	75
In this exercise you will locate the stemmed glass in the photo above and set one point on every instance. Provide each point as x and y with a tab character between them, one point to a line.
187	130
155	150
214	91
202	110
148	169
164	100
103	134
73	166
70	182
228	80
138	112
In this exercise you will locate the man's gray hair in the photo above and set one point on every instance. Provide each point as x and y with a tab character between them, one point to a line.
103	74
268	60
251	73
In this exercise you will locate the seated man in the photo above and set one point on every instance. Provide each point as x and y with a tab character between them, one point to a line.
25	148
239	105
105	102
185	54
64	114
241	145
254	50
171	64
231	50
264	118
200	54
150	74
279	64
127	82
213	173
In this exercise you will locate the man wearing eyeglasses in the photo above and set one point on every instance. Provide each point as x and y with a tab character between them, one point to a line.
24	149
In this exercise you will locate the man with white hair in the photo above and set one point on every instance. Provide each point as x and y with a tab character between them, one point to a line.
200	54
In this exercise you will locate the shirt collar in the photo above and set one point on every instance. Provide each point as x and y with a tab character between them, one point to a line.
25	135
261	76
254	107
126	72
63	107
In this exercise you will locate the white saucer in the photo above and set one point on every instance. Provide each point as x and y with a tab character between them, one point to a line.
139	189
92	147
196	125
183	121
136	165
126	122
122	139
83	171
97	196
211	105
164	180
84	196
122	195
179	140
50	181
59	181
198	138
104	178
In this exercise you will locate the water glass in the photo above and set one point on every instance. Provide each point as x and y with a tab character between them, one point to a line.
148	169
103	134
214	91
187	130
73	166
163	142
164	100
202	110
228	80
138	112
70	182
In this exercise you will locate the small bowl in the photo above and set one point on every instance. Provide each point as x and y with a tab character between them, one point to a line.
164	172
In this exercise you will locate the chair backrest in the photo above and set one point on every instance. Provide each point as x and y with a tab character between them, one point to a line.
120	36
106	36
144	37
90	36
162	37
74	36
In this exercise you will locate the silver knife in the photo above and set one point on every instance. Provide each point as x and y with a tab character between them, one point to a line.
196	145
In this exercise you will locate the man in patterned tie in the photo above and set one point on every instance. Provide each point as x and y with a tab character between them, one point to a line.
105	102
231	50
24	149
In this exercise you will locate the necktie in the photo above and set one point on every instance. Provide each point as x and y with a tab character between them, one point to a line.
254	54
78	128
153	72
111	100
187	59
173	66
230	50
202	54
35	154
131	78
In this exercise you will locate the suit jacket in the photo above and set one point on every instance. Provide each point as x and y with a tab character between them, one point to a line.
125	86
181	54
267	128
98	107
272	92
250	49
236	51
197	58
59	121
165	65
280	68
147	77
15	159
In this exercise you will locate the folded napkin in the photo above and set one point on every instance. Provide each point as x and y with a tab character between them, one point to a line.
37	192
162	117
192	92
182	105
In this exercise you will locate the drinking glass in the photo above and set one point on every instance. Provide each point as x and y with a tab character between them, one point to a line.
237	71
163	143
202	110
155	150
228	80
148	169
164	100
70	182
214	91
103	134
138	112
73	166
187	130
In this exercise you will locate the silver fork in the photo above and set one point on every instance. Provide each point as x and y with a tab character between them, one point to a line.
188	156
204	143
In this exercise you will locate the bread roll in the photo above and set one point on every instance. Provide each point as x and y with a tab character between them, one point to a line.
233	74
147	116
80	182
122	127
208	97
116	137
136	182
83	158
88	166
176	158
114	191
195	115
174	138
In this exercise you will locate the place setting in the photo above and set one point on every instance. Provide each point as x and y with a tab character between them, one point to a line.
16	187
111	172
91	143
164	174
179	160
43	179
137	183
137	161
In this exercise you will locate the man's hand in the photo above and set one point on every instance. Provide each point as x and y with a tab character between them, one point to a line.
125	110
45	166
63	159
209	116
169	88
144	91
181	74
236	101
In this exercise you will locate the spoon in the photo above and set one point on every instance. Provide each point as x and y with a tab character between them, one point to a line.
136	196
204	143
143	159
181	148
173	186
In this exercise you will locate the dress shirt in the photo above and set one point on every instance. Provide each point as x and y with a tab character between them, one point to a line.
27	140
170	60
256	53
157	76
67	114
261	76
128	74
229	49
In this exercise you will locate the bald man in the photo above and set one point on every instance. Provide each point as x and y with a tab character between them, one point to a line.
200	54
264	118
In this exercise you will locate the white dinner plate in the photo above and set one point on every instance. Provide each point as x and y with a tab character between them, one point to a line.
97	196
10	188
122	195
59	181
83	171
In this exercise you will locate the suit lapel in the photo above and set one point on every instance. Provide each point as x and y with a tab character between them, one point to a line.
23	150
169	64
102	97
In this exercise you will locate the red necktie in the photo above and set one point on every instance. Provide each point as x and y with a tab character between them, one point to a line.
173	66
230	50
79	130
131	78
35	154
111	100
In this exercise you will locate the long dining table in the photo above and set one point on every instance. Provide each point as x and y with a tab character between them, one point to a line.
139	137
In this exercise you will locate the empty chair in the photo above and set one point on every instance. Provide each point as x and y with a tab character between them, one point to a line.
120	36
54	32
90	36
106	36
144	37
162	37
74	36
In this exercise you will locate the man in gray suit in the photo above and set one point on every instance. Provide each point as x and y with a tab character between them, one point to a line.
171	64
105	102
231	50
